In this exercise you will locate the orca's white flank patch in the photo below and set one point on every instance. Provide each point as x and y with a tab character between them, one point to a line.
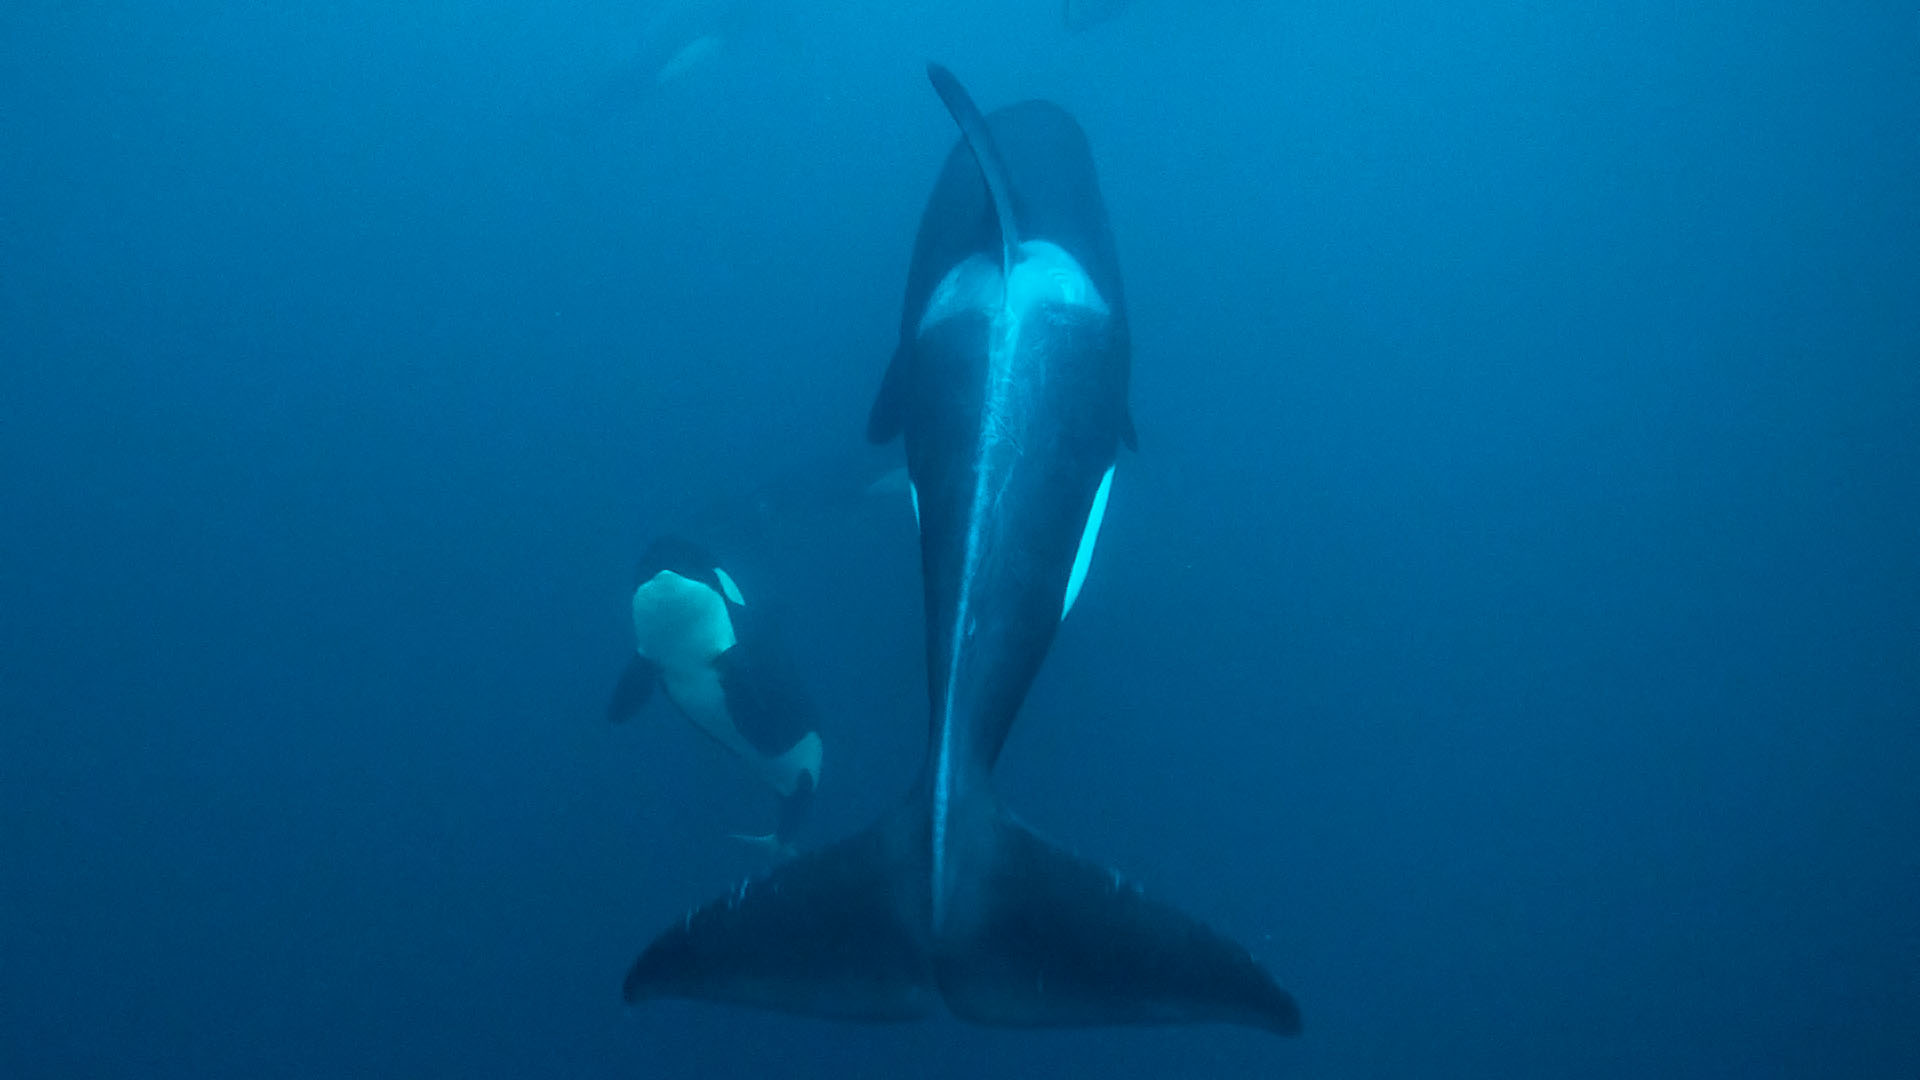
1084	557
801	759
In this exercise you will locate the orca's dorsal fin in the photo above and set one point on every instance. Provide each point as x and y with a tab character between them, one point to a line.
973	128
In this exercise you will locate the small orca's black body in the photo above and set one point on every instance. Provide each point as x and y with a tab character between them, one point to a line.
1010	386
719	664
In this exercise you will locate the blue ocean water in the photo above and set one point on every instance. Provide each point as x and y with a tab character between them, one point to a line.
1509	627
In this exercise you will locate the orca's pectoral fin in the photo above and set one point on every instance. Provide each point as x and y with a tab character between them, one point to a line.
1059	941
832	933
630	694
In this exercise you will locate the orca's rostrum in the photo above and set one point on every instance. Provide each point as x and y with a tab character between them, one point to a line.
1010	387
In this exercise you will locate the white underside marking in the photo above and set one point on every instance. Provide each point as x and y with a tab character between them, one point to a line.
1043	275
1084	557
679	623
682	626
913	493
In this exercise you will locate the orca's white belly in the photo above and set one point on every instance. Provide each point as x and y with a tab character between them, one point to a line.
683	627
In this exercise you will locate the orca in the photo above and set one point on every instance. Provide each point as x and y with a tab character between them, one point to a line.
1009	385
722	668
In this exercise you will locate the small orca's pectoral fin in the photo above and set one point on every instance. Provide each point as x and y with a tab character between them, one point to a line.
1055	940
630	694
833	933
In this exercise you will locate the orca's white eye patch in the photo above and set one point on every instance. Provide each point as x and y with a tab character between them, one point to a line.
728	588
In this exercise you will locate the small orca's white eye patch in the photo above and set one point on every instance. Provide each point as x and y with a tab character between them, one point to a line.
728	588
913	493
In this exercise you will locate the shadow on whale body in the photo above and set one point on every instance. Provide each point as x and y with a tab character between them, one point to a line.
1009	385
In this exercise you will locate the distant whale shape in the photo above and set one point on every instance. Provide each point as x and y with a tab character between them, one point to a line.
684	38
1009	385
689	56
685	35
1084	14
681	40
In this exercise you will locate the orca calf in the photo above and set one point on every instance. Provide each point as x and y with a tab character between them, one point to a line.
1010	386
696	639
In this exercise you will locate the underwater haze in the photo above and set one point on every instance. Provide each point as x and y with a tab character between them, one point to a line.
1509	626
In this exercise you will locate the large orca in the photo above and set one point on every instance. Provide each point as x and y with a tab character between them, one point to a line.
1010	386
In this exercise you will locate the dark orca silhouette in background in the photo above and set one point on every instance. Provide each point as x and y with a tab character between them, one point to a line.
1084	14
1010	386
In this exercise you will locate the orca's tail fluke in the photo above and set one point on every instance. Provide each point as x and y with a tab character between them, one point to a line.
826	934
1055	940
1031	937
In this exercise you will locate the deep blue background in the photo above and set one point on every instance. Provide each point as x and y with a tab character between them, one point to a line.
1510	625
